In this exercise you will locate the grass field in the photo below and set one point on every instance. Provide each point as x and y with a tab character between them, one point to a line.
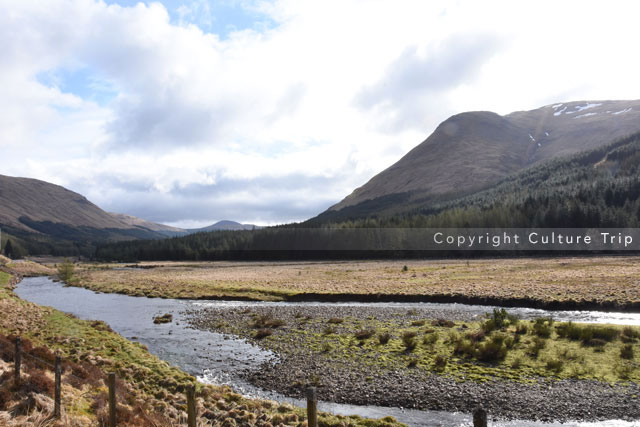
595	280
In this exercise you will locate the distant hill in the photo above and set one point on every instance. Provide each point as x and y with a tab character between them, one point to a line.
133	221
224	225
472	151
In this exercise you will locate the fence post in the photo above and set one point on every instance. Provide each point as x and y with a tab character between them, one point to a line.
191	406
58	374
312	407
479	418
18	360
112	399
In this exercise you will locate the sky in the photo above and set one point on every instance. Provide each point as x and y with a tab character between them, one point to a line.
187	112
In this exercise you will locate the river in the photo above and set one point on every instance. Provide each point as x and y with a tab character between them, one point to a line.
218	359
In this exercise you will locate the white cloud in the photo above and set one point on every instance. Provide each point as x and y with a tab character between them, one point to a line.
278	124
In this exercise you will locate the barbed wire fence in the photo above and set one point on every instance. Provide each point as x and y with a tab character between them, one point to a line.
15	351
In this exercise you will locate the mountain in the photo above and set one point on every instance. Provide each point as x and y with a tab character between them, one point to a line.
47	218
133	221
25	202
44	218
472	151
224	225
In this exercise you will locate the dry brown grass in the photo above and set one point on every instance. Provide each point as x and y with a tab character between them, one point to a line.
597	279
29	268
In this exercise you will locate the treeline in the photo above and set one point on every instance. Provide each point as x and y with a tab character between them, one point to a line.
598	188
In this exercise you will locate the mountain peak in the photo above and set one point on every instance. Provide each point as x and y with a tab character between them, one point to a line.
472	150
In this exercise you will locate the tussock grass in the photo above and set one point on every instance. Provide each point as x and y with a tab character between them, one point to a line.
597	280
514	352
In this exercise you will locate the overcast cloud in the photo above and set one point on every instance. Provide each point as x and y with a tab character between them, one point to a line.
188	112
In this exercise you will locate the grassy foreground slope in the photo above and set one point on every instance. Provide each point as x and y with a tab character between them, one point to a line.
152	390
588	282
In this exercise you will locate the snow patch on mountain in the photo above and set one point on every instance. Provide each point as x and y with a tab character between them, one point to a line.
557	113
585	115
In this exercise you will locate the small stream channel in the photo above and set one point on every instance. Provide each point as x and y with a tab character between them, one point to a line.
218	359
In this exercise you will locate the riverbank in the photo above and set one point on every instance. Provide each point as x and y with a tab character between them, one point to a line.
417	359
582	283
156	388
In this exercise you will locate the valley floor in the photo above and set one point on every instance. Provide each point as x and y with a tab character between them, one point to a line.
594	283
151	392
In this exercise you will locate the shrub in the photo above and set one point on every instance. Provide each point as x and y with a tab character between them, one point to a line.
542	327
409	341
509	342
522	329
267	321
364	334
567	354
43	353
440	362
605	333
417	323
594	342
405	268
517	362
413	362
491	351
593	336
537	345
452	337
262	333
40	381
5	398
465	348
629	334
626	352
569	330
65	270
329	330
384	338
476	336
430	339
444	323
555	365
335	320
499	319
624	370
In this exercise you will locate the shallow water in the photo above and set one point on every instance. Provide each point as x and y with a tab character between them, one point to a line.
218	359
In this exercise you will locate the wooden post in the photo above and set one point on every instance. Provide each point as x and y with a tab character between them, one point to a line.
112	399
58	375
312	407
18	361
191	406
479	418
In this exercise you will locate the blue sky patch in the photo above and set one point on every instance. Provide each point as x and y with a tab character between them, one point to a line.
221	17
82	82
